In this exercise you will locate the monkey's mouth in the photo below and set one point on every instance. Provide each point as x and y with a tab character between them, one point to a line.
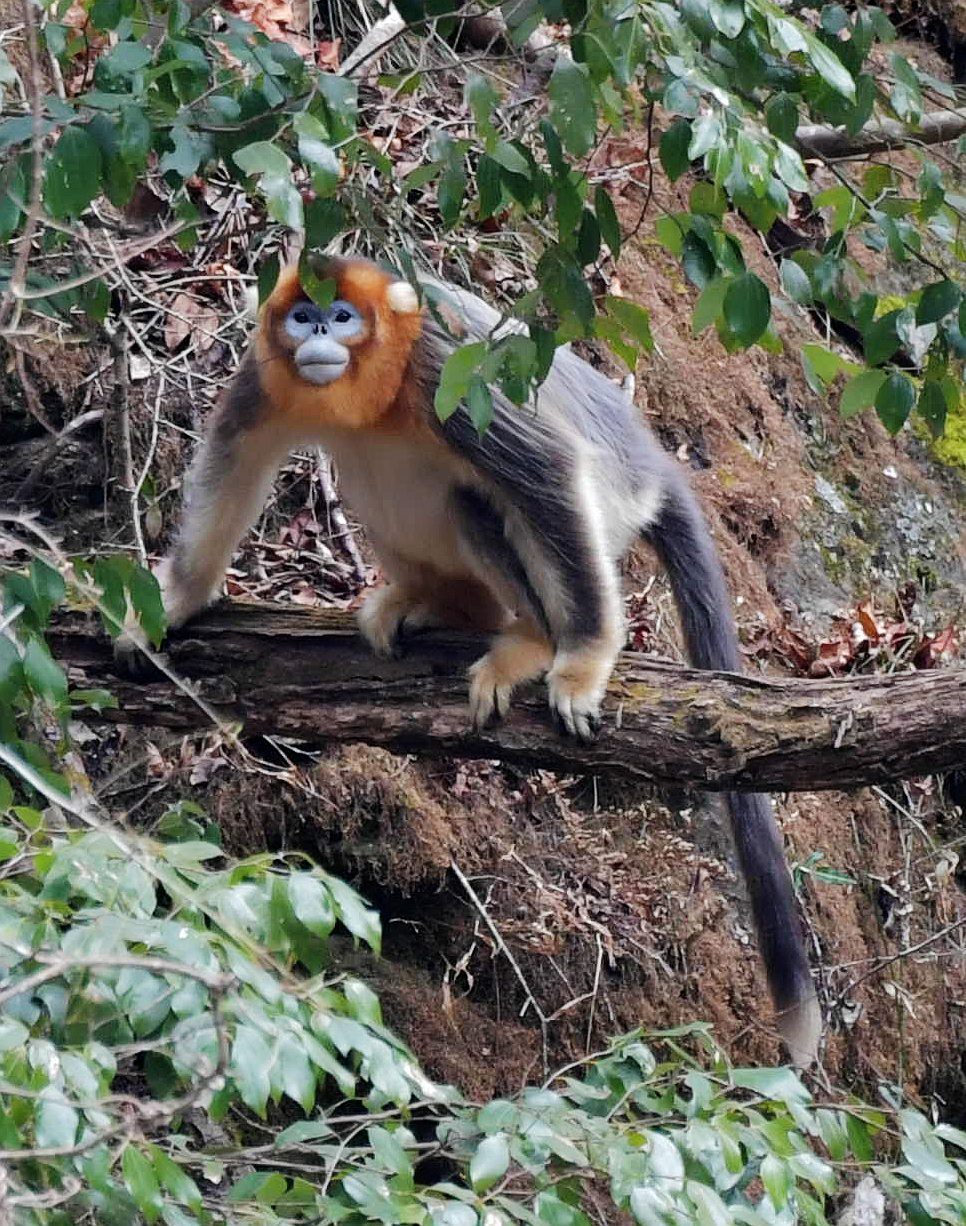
321	372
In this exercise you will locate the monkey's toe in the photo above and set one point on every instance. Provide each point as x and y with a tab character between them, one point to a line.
490	693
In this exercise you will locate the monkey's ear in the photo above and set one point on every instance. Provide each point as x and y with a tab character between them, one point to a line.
402	298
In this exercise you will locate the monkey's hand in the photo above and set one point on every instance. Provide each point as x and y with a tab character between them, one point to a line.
391	611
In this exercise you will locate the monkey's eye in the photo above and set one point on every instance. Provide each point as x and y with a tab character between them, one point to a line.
344	320
302	320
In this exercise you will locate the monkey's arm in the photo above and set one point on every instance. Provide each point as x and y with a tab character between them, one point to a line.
226	488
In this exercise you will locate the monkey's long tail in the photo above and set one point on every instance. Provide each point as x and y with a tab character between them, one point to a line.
681	540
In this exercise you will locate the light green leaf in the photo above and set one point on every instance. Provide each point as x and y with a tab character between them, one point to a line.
454	379
251	1059
57	1121
311	903
489	1163
861	392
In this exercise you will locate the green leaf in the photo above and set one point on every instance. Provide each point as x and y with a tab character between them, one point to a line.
479	404
56	1120
73	175
311	903
574	107
674	149
147	603
698	260
6	800
489	1163
932	406
315	150
251	1060
634	319
451	191
796	283
728	16
780	1084
44	675
267	277
781	115
861	392
708	308
610	229
937	300
454	378
510	158
262	157
777	1179
829	67
488	186
894	401
881	339
361	921
482	98
142	1183
747	307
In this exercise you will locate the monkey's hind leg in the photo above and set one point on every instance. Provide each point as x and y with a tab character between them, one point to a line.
389	611
521	653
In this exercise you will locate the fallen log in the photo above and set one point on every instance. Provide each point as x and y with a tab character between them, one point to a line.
306	675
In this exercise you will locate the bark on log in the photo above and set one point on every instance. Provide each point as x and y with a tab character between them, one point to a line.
305	674
820	140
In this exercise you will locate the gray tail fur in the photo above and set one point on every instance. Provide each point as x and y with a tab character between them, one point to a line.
681	540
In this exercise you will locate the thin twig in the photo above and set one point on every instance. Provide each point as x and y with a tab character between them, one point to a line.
504	949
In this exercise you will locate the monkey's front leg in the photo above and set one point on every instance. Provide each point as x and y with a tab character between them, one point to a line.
226	489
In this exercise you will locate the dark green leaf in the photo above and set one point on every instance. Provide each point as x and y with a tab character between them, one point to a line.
937	300
932	406
451	190
781	115
324	219
249	1066
747	308
574	107
674	149
894	401
607	220
142	1183
881	339
267	277
699	263
73	176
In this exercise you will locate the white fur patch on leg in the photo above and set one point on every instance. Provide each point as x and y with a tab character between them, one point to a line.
518	654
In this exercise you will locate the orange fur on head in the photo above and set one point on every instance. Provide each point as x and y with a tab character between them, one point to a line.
367	394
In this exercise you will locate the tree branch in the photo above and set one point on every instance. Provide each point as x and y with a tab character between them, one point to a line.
305	674
820	140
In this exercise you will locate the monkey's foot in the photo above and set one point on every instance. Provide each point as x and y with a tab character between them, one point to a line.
577	683
513	658
389	611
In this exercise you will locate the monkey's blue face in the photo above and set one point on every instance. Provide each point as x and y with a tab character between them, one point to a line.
322	355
